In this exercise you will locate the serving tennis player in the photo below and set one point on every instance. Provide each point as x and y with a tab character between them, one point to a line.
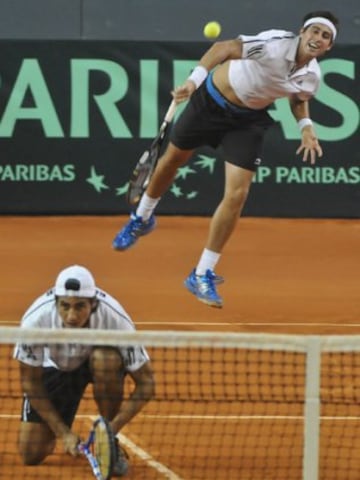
229	93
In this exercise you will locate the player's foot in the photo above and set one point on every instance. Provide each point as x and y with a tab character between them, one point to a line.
218	279
203	287
134	229
121	464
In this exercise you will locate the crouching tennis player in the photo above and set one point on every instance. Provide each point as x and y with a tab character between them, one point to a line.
54	377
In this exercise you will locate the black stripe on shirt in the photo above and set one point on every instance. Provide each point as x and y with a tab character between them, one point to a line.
282	37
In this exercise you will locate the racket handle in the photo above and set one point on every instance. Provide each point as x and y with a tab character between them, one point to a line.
92	460
169	115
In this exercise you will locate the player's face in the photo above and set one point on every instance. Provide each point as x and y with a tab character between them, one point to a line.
75	311
316	40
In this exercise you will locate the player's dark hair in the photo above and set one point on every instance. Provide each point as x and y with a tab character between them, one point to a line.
325	14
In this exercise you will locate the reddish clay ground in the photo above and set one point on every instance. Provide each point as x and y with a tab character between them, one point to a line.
287	276
277	271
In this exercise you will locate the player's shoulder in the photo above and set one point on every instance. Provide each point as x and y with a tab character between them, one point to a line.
42	303
279	43
277	34
40	310
106	299
268	36
110	313
269	44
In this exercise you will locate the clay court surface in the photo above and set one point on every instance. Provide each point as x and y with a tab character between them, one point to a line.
282	276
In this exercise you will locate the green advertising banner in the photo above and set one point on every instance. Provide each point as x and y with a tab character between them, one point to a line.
76	115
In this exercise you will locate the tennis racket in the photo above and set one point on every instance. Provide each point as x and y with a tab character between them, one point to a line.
100	449
146	164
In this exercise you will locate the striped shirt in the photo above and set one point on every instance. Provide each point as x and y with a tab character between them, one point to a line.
43	313
267	72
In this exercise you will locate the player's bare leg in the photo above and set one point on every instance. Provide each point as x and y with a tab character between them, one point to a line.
237	185
107	370
163	176
166	169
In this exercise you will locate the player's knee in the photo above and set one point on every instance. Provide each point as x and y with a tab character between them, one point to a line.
105	359
31	459
237	197
34	457
35	443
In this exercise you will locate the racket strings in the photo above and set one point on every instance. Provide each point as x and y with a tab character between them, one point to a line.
104	449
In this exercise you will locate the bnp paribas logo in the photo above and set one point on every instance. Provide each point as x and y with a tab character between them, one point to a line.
39	172
200	165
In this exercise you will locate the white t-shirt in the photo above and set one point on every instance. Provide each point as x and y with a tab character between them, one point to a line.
43	313
266	70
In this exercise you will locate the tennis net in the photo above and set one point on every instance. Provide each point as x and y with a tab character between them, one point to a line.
227	406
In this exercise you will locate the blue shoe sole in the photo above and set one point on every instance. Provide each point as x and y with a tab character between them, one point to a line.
207	301
121	248
119	472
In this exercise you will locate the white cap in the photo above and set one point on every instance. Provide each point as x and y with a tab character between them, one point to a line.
75	281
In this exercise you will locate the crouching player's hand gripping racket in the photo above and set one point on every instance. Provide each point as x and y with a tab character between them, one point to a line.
100	449
146	164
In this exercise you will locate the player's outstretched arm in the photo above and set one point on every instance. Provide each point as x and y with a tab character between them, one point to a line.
309	146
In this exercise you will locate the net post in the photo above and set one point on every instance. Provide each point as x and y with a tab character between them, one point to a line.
312	409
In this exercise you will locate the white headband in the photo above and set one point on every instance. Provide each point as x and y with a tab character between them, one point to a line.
323	21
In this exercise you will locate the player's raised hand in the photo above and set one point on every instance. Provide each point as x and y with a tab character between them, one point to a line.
183	92
310	146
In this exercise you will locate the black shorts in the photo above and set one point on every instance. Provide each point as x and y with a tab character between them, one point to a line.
209	119
65	390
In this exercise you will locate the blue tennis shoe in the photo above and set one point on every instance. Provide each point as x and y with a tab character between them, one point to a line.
121	464
135	228
203	287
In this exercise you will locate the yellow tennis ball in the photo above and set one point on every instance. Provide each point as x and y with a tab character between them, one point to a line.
212	30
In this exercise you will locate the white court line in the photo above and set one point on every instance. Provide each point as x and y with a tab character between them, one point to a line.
215	417
148	459
145	456
242	417
253	324
241	324
142	454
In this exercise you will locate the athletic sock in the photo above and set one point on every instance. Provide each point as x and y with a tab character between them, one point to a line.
146	206
208	261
